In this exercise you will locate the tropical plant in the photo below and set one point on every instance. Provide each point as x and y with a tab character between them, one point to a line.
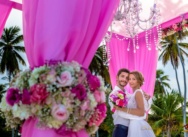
97	66
10	51
174	51
106	128
2	90
170	47
161	82
166	114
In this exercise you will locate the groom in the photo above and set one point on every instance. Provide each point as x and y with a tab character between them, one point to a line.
121	124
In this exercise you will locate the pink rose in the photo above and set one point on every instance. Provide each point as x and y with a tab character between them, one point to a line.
99	96
85	105
81	76
99	115
38	93
94	82
65	79
60	112
120	102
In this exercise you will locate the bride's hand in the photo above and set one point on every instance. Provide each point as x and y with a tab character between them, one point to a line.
119	108
116	107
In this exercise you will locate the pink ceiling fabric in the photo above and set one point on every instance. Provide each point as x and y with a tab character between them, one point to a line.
143	60
5	9
63	30
169	10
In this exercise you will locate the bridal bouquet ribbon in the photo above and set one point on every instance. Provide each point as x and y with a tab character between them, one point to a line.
118	98
63	96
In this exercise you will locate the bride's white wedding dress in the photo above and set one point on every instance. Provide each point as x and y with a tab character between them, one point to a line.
138	127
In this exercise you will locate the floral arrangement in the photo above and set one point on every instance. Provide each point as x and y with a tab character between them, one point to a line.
61	96
182	26
119	99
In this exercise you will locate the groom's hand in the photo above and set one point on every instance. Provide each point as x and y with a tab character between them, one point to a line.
147	97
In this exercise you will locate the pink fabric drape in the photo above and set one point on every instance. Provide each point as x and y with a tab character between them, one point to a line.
30	130
143	60
63	30
5	9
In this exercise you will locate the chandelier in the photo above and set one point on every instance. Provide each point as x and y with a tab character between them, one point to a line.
129	13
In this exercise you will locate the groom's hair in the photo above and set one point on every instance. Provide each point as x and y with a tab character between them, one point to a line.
123	70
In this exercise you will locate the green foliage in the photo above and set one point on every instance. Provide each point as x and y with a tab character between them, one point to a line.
97	66
4	132
166	114
106	128
161	82
170	50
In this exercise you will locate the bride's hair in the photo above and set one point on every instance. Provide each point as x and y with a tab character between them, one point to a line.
139	77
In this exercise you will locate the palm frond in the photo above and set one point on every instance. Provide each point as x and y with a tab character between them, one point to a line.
19	48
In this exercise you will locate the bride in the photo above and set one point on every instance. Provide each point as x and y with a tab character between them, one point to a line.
137	105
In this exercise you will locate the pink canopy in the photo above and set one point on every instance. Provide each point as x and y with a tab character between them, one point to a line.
72	30
62	30
5	9
66	31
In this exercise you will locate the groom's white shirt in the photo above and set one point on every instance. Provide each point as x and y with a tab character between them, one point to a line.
120	117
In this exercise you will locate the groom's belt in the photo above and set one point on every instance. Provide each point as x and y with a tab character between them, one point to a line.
121	126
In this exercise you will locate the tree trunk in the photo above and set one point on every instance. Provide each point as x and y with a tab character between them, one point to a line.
185	88
168	131
177	80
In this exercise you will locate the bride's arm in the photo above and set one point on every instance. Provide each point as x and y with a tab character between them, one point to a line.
139	111
129	116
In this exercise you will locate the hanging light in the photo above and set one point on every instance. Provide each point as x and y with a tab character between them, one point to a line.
129	11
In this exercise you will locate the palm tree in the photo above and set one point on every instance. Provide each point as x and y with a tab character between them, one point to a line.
9	51
174	52
166	114
170	53
161	82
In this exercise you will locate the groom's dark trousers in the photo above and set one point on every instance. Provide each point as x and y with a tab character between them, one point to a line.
120	131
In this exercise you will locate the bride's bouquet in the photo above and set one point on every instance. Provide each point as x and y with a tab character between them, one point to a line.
63	96
119	99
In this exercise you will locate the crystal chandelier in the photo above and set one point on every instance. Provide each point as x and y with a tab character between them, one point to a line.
129	13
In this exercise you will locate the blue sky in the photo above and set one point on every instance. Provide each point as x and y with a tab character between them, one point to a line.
15	18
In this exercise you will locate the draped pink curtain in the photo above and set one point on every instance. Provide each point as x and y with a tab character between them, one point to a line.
5	9
63	30
143	60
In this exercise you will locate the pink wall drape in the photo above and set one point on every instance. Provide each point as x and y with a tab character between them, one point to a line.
65	30
143	60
